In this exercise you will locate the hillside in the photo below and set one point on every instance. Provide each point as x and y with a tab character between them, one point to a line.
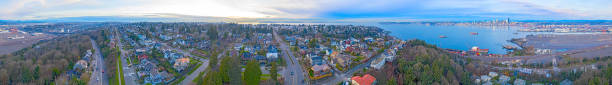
423	64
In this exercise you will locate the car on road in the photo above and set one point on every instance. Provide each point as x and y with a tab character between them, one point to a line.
291	73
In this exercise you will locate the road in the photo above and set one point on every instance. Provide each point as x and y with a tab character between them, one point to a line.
293	66
130	76
97	77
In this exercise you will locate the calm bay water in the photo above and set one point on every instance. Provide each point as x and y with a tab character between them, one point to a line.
458	37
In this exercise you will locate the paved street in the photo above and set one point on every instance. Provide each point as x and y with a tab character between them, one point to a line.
293	65
97	76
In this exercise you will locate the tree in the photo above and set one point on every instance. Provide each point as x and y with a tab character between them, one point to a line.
252	73
234	71
199	80
310	72
273	71
212	33
392	81
212	63
211	78
224	69
312	43
36	72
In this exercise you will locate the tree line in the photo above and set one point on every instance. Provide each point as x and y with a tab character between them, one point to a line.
43	62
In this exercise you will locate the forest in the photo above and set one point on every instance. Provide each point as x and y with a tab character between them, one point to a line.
44	61
419	63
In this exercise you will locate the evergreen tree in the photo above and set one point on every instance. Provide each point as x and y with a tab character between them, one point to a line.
212	33
234	71
252	73
224	69
274	72
36	72
212	61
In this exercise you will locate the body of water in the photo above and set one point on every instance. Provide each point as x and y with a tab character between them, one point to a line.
457	37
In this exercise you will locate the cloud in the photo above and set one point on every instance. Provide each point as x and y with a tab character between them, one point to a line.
314	9
397	8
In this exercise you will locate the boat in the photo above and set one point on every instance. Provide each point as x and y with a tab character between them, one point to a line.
16	37
474	33
442	36
509	47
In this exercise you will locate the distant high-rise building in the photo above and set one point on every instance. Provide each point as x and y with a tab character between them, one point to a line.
508	20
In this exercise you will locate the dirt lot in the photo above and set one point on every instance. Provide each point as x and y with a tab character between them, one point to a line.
576	45
11	45
569	41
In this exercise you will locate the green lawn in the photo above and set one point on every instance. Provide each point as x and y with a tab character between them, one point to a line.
128	59
120	67
264	77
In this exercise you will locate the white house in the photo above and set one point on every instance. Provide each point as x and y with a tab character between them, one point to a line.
485	78
493	74
378	63
271	55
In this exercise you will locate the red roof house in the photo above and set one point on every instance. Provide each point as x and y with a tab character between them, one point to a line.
143	57
365	80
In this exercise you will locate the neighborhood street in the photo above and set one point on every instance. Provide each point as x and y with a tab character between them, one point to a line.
97	76
293	73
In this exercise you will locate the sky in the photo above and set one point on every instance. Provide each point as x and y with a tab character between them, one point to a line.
406	10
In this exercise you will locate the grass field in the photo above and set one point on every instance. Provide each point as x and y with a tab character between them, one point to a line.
120	73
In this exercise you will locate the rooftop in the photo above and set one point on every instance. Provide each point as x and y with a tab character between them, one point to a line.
365	80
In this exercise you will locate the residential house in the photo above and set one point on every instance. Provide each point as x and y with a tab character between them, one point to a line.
365	80
566	82
389	56
246	56
164	37
316	60
181	64
142	57
320	70
493	74
172	56
503	79
519	82
341	60
378	63
237	46
262	59
81	64
272	53
485	78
